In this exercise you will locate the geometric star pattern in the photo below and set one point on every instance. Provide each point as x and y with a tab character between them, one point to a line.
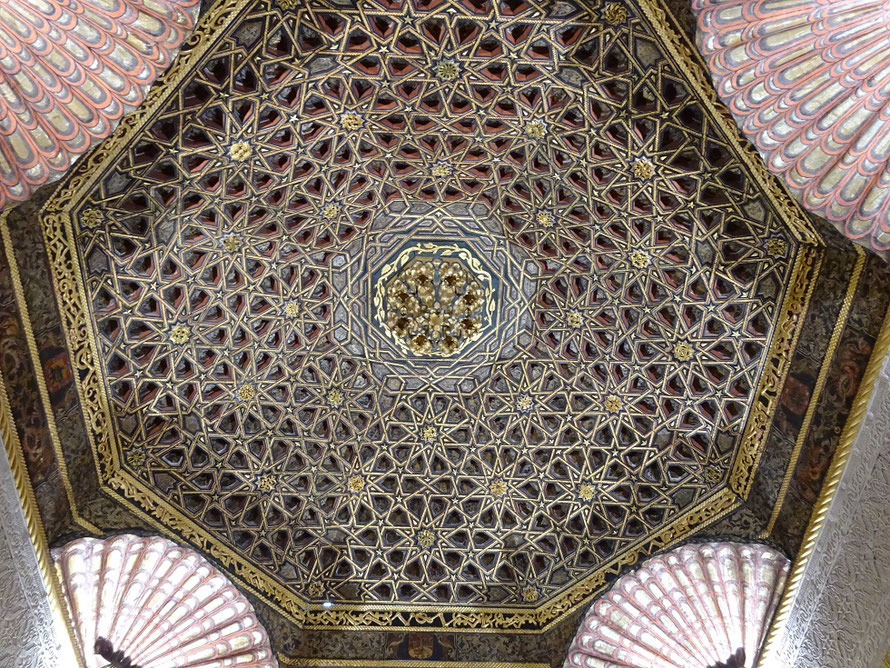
230	248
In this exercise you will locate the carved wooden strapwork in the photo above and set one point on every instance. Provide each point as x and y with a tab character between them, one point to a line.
243	381
697	606
68	74
147	602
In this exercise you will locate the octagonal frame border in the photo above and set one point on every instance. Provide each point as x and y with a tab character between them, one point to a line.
56	223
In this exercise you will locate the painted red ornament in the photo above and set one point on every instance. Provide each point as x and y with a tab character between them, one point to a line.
69	71
697	606
149	603
808	82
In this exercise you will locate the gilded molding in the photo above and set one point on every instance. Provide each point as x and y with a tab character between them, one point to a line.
38	375
79	330
31	515
682	51
360	663
833	342
829	490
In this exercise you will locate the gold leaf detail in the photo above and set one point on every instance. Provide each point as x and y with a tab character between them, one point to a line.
240	151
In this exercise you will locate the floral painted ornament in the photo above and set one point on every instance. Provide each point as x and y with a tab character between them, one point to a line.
808	82
696	606
69	71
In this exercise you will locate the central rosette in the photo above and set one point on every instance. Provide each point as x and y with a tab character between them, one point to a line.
434	300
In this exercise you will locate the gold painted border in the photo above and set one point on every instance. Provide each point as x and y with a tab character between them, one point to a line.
829	489
25	316
34	524
683	53
833	343
789	323
58	234
395	663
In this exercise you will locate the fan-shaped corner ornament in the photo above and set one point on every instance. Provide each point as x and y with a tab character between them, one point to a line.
69	71
808	82
149	603
697	606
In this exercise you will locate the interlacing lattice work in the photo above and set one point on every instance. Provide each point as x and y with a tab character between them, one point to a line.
698	606
148	603
236	252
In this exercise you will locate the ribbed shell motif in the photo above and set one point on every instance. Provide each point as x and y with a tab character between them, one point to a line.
69	70
157	605
693	607
808	81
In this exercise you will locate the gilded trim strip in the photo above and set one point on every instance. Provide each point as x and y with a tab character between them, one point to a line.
679	48
31	513
57	228
22	305
360	663
829	489
820	385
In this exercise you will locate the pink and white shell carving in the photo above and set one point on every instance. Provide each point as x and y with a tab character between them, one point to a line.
697	606
149	603
808	82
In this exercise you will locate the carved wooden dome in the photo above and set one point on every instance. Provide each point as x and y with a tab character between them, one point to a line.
149	603
698	606
809	84
69	71
432	311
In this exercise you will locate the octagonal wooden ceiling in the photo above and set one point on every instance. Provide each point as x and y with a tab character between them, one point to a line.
444	311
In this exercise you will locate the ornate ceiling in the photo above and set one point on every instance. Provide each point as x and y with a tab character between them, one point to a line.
443	311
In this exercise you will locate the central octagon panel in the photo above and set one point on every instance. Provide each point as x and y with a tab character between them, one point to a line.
424	307
434	300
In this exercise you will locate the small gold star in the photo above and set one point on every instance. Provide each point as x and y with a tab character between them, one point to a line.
136	459
544	219
683	351
91	218
426	538
615	13
356	483
713	474
351	121
498	487
612	403
232	244
316	589
428	434
240	151
331	211
536	129
776	247
529	594
179	334
643	168
335	398
585	491
524	403
447	70
266	483
441	170
292	309
574	319
639	259
246	392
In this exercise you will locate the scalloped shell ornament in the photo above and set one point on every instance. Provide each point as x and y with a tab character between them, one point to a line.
697	606
149	603
69	71
808	82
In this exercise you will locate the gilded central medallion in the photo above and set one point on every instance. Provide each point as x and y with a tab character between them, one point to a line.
434	300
